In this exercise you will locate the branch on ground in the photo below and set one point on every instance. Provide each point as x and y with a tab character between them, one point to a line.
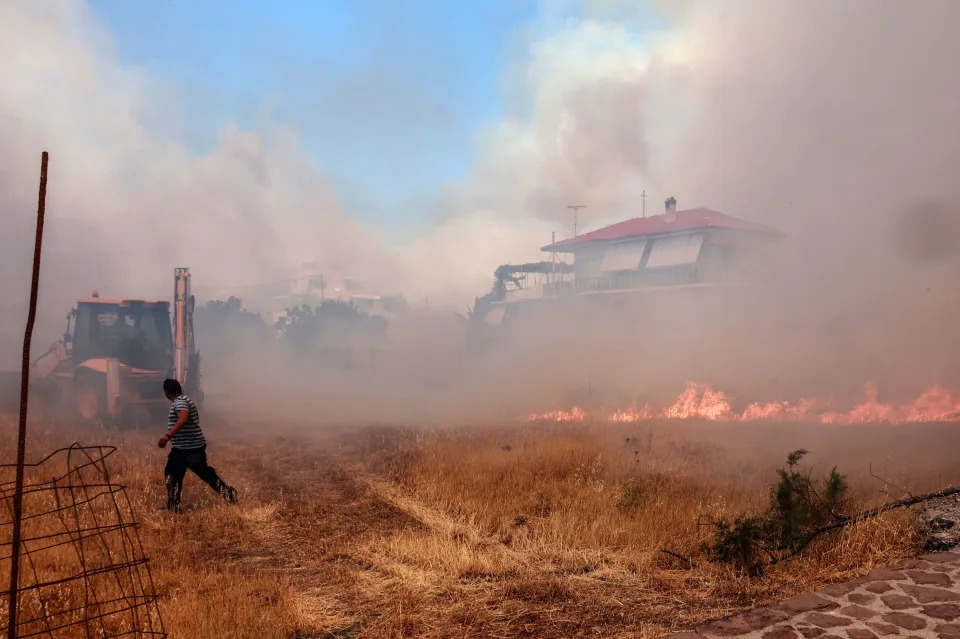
691	563
801	509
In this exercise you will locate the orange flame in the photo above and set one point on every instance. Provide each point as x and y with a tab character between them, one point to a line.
630	415
573	415
700	401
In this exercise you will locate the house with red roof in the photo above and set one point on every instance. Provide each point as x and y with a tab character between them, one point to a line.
694	248
677	247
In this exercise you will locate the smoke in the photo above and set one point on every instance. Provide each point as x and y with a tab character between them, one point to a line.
831	121
129	200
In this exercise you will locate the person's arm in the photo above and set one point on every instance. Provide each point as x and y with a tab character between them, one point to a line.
182	417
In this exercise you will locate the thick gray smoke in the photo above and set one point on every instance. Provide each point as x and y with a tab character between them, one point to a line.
128	200
831	121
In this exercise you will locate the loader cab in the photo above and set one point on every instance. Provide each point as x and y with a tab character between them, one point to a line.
136	332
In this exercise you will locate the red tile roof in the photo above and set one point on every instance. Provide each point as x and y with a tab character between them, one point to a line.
657	224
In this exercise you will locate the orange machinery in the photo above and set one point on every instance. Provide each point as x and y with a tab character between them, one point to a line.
115	354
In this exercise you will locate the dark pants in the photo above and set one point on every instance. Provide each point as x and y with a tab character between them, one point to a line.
178	462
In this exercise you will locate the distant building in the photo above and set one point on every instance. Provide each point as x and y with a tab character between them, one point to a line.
678	249
310	286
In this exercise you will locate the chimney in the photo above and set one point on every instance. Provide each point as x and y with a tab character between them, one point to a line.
671	204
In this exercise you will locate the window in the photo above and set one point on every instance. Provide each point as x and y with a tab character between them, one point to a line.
625	256
140	336
676	250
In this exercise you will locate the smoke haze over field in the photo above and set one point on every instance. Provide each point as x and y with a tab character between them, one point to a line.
834	122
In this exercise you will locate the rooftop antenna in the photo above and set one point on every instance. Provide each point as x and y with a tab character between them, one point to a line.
553	248
576	208
643	194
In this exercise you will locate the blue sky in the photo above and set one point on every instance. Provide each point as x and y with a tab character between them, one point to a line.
387	95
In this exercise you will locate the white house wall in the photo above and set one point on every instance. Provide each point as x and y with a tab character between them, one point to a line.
587	264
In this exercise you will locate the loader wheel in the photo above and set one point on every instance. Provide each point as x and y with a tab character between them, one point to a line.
88	401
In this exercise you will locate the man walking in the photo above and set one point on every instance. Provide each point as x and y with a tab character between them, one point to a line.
189	449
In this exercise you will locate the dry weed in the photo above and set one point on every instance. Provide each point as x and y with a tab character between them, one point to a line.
538	530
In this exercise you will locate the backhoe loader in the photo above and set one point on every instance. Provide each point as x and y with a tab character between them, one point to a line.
113	357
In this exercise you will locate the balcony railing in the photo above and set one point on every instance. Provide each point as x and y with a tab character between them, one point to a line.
627	280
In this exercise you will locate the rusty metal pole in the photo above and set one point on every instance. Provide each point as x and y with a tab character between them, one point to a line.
24	388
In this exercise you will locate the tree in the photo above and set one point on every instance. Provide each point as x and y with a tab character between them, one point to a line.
332	323
223	326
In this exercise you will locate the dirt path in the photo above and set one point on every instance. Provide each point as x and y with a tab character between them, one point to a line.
368	559
309	514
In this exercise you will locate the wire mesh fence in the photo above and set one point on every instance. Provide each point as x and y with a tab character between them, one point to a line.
83	572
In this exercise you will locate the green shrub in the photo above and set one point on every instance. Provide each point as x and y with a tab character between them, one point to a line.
799	509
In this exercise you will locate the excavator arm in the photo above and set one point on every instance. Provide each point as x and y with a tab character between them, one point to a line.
512	273
186	358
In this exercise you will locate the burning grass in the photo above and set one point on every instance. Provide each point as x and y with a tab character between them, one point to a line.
546	529
701	401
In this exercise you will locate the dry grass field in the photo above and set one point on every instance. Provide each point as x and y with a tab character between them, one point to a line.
536	530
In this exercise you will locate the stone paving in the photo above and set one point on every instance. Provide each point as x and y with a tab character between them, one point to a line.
917	598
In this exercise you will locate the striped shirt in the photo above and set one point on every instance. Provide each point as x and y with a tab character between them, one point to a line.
189	436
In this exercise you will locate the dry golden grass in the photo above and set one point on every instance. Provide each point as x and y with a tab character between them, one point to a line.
540	530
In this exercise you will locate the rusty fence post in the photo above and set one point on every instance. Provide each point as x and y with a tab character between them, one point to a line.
24	389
